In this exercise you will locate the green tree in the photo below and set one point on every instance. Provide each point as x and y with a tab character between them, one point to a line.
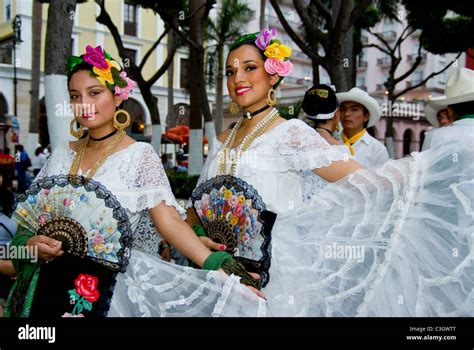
225	29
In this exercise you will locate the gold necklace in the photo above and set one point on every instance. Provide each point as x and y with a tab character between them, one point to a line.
258	131
76	163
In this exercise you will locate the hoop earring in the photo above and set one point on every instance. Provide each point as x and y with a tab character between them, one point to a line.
76	133
117	124
271	98
234	107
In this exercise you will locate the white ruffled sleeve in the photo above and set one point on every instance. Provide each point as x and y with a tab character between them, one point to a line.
297	148
146	183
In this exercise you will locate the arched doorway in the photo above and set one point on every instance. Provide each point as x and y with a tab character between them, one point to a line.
43	133
422	138
137	114
407	138
3	105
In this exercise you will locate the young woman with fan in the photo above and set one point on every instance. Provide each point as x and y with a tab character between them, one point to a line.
92	214
377	242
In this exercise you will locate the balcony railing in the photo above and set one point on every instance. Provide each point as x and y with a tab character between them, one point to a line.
384	62
130	28
380	87
412	58
361	64
413	82
388	35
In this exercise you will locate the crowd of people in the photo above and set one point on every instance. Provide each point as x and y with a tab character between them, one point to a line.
321	222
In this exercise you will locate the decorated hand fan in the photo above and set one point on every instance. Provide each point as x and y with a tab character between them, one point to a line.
234	214
82	214
96	238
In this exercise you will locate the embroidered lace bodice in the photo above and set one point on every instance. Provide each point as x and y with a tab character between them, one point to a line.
279	164
136	177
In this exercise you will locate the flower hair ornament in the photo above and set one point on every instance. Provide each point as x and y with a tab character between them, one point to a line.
278	55
107	70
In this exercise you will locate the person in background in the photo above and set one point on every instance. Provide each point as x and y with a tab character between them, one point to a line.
321	106
358	111
23	162
459	103
39	160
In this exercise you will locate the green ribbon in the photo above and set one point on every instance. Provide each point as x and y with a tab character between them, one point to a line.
467	116
215	260
199	230
251	36
72	63
21	295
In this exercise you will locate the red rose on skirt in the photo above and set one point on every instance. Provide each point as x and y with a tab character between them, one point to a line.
86	286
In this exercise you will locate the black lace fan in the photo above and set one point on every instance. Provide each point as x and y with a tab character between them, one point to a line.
234	214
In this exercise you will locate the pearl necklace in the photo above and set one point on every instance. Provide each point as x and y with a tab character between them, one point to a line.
259	129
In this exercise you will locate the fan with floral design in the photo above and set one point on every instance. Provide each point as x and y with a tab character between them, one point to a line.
82	214
233	213
96	237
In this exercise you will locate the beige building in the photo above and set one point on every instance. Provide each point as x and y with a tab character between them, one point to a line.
139	29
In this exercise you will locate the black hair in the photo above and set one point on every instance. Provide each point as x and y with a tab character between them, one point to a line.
464	108
38	151
81	66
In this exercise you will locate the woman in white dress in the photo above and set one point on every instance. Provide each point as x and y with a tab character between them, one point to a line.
133	173
394	241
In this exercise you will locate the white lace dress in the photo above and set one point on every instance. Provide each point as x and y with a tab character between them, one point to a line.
391	241
151	286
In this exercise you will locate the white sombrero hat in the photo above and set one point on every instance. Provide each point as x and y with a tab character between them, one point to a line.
362	97
459	88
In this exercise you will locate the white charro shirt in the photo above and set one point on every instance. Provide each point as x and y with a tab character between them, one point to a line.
460	129
370	152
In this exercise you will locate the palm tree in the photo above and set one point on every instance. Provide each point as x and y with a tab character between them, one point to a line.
226	29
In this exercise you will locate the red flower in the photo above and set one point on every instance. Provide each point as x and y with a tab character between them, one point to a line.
86	286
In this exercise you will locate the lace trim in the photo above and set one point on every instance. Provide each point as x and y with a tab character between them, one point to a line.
465	202
226	291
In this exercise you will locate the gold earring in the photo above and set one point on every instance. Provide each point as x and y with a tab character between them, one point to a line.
271	98
76	133
234	107
117	124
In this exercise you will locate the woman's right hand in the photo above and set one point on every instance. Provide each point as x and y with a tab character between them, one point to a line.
48	248
211	244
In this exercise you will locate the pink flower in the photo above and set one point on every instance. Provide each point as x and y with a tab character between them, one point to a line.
233	201
98	239
124	92
264	38
282	68
238	211
95	57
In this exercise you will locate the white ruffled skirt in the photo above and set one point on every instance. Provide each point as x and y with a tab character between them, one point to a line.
151	287
392	241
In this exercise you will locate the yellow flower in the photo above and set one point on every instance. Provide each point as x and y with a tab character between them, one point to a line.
209	214
23	213
227	195
234	221
99	248
105	75
241	199
110	230
47	208
278	51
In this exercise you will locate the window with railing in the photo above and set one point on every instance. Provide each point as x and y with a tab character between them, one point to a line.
8	10
184	73
130	19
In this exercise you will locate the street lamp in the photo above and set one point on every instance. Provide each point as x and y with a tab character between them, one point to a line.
16	25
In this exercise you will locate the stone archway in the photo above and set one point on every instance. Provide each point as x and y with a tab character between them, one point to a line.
408	138
3	105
